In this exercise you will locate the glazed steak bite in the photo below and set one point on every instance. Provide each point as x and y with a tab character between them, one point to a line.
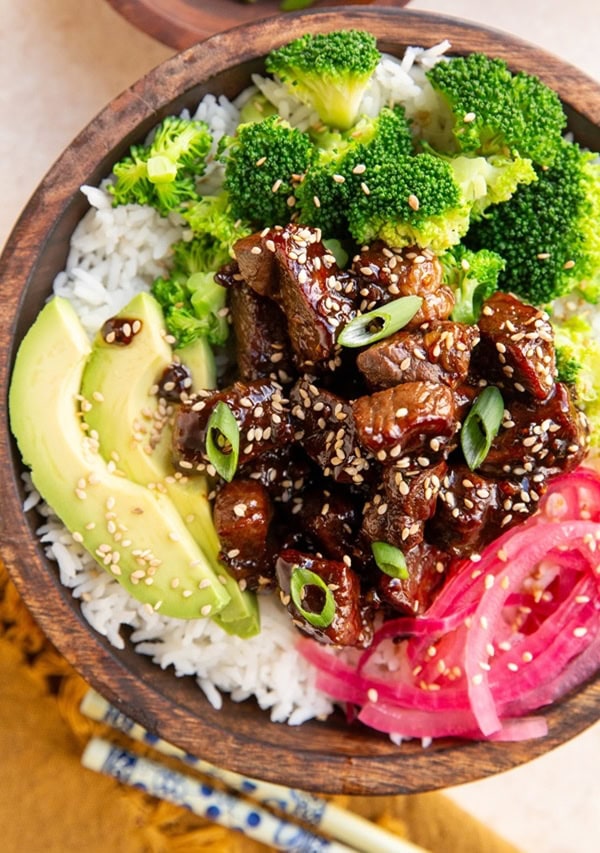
385	522
292	266
412	596
466	512
414	416
330	518
413	488
347	627
262	346
517	347
385	274
551	436
260	409
327	431
242	513
439	352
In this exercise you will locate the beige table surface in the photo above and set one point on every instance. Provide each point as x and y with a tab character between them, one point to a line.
61	61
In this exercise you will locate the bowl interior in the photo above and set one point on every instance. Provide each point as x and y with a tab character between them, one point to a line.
342	758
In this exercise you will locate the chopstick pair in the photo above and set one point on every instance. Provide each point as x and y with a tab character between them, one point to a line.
227	809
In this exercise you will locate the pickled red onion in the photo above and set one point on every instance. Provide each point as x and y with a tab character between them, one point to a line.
506	635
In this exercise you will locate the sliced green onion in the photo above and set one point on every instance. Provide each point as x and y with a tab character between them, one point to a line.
390	560
380	322
223	449
302	578
481	426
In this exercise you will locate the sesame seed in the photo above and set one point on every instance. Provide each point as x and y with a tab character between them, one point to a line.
413	202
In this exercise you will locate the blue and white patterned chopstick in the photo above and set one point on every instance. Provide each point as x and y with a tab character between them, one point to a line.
325	817
224	809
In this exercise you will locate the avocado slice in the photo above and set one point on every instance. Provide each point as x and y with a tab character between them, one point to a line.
133	532
199	360
134	430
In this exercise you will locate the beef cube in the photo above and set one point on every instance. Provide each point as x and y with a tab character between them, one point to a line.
326	431
438	354
286	473
242	515
385	522
551	436
257	264
385	274
465	395
407	418
292	266
517	346
412	488
331	518
465	513
412	596
260	409
262	345
347	628
312	296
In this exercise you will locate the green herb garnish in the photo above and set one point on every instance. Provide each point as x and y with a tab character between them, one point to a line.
481	426
380	322
223	441
390	560
299	581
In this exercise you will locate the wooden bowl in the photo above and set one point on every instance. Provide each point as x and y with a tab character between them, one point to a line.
181	23
330	756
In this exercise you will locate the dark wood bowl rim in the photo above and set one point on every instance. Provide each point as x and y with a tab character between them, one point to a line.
329	757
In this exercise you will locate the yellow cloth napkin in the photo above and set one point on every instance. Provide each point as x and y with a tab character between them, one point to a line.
50	804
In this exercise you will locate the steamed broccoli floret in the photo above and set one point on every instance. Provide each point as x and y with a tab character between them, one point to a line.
330	182
263	163
163	173
329	71
548	231
495	112
215	230
473	276
489	180
578	364
191	299
409	200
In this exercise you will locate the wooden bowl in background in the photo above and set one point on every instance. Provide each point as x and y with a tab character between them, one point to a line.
181	23
330	756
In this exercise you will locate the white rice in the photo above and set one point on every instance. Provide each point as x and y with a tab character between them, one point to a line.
114	254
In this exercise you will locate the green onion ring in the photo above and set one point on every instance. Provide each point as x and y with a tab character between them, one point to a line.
222	420
300	579
388	319
390	560
481	426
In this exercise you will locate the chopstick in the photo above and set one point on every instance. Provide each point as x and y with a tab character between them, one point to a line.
324	817
225	809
